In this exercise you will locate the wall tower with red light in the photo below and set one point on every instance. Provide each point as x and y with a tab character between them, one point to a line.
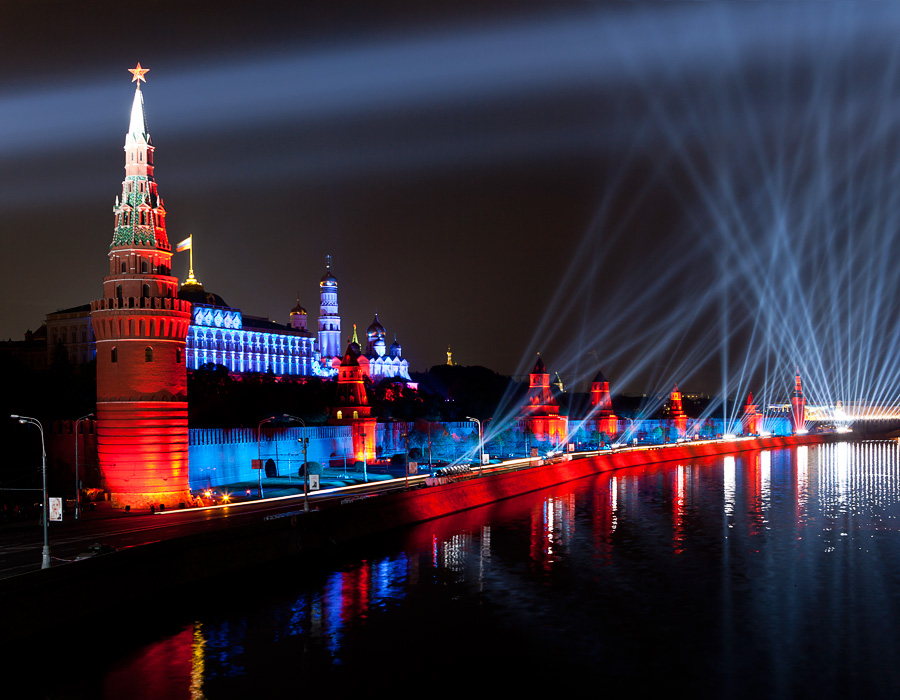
751	417
140	327
798	406
351	407
541	411
601	406
676	410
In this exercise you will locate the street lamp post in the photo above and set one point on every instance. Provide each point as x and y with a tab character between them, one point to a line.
406	467
304	442
480	442
45	554
77	486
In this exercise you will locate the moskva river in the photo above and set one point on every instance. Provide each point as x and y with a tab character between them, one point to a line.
770	574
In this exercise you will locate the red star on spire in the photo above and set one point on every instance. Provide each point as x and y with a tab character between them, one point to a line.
138	74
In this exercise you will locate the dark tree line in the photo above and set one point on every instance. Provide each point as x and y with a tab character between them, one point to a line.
220	400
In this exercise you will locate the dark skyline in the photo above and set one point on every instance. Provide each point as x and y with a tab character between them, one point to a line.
662	186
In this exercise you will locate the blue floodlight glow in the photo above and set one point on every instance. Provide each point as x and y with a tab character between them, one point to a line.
785	165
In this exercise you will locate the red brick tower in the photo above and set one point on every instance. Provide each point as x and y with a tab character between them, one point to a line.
352	407
601	406
798	406
541	410
140	326
679	417
751	417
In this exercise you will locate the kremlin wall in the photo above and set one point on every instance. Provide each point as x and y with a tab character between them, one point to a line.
146	332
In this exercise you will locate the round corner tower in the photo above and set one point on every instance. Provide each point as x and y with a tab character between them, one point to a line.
141	326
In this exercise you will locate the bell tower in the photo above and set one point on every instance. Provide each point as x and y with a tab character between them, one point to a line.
329	319
141	326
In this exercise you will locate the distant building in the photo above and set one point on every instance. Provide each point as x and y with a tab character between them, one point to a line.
72	329
32	352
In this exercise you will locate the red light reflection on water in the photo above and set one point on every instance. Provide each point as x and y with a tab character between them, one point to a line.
678	510
165	669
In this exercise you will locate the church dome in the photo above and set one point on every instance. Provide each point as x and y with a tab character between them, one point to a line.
328	280
396	351
375	331
298	310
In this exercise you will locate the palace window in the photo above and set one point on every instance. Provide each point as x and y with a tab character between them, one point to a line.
114	355
148	354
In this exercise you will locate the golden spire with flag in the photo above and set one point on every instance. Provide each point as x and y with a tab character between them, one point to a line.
188	244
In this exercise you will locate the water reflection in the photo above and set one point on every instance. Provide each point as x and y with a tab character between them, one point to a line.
551	530
678	510
730	485
768	573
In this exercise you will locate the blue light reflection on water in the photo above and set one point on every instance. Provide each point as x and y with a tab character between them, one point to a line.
767	574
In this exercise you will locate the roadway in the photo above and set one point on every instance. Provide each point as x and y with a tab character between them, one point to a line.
21	542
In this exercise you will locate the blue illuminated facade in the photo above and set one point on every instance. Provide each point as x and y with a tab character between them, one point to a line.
218	335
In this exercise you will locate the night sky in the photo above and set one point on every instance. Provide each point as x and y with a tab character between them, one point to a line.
676	192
